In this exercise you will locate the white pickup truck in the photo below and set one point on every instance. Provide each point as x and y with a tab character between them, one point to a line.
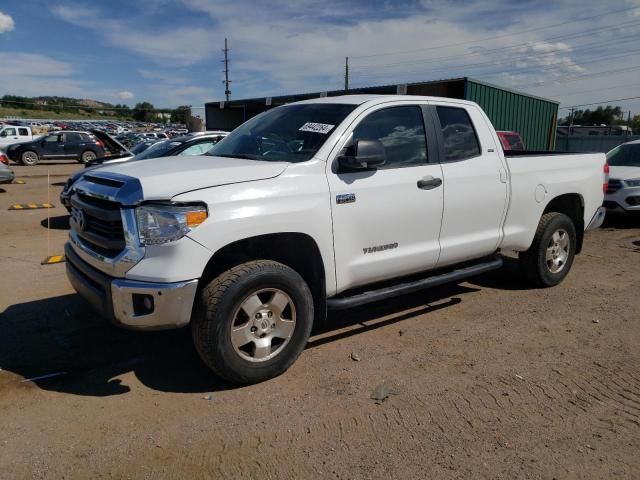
322	204
10	134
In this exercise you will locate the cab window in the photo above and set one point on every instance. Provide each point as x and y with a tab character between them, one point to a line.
460	141
401	131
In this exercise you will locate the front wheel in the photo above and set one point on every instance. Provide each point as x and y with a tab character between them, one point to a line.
253	321
551	254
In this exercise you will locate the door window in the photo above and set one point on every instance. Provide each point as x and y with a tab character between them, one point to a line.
9	132
23	132
53	139
458	134
74	138
401	131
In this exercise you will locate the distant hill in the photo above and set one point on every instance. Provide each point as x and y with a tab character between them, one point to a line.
67	105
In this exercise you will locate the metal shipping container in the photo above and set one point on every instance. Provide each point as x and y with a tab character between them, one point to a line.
533	117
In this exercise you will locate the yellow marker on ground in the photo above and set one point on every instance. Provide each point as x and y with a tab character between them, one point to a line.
53	259
19	182
30	206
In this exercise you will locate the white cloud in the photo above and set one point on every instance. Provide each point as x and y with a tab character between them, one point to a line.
6	23
125	95
32	74
299	45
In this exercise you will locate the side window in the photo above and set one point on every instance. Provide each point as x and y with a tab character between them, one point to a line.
460	139
74	138
52	139
401	131
10	131
23	132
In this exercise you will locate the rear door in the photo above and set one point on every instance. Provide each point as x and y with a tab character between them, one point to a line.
475	183
385	224
74	145
23	134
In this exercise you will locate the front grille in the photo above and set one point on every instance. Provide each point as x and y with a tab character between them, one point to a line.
98	223
614	185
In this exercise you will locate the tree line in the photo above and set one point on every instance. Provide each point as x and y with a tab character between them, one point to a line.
608	115
142	111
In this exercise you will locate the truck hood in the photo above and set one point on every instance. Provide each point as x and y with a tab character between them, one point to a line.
165	177
624	173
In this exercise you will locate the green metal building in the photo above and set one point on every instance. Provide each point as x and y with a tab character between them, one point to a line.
533	117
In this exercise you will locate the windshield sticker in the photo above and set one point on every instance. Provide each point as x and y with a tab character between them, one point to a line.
322	128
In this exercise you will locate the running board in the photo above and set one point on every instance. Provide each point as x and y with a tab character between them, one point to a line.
410	287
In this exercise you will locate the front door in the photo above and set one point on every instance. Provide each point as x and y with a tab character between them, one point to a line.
53	146
386	221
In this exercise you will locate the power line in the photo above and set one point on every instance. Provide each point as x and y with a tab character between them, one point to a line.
571	94
534	68
599	103
495	37
499	49
581	77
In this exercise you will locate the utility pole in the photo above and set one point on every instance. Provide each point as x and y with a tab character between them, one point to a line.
346	74
226	81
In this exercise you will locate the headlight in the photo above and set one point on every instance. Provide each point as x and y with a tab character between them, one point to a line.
168	223
634	182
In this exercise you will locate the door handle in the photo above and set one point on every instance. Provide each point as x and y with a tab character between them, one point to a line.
429	183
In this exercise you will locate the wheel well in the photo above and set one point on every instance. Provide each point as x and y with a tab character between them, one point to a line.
296	250
572	205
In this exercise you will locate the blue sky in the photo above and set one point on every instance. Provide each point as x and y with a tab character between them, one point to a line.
168	52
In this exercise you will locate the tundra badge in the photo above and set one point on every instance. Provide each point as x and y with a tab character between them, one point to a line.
345	198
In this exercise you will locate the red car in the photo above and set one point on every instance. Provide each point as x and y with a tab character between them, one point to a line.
510	140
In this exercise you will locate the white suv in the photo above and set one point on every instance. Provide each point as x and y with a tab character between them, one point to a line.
623	192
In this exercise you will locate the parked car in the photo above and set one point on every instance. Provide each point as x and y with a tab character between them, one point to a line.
623	191
326	203
510	140
165	148
6	174
12	134
65	144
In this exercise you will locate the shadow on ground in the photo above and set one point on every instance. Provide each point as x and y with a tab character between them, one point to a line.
622	220
56	223
62	334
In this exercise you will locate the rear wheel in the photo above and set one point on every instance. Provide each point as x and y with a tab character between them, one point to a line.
551	254
29	158
87	156
253	321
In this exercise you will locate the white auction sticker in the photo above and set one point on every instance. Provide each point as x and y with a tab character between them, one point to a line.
316	128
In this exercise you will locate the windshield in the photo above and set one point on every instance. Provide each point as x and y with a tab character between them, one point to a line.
292	133
157	150
626	155
141	147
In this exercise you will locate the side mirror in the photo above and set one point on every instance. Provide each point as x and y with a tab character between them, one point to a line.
362	155
3	133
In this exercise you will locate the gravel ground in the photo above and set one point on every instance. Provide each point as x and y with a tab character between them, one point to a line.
484	379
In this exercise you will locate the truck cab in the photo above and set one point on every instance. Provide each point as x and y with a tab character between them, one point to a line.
10	134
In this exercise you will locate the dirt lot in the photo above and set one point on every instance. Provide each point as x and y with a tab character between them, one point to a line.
486	379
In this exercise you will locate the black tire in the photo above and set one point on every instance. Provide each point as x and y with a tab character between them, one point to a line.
87	156
534	265
218	305
29	158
